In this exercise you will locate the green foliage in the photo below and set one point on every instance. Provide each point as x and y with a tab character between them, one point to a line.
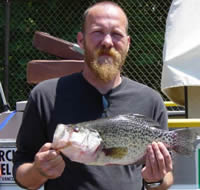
62	18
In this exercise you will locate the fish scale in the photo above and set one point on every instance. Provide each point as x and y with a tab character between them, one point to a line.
122	139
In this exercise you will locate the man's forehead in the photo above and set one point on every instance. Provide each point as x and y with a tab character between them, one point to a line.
106	11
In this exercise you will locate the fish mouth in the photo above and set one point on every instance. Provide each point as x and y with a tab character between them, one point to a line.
98	149
63	147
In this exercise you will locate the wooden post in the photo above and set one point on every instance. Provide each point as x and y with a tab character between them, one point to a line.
193	101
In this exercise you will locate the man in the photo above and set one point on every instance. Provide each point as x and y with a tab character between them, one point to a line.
79	97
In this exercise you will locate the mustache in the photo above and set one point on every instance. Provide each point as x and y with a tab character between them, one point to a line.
102	51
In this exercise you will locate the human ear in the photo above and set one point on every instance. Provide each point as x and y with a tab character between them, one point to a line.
129	41
80	39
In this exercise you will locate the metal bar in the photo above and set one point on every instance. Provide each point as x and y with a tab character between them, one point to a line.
170	104
174	123
186	100
176	113
7	36
2	95
5	104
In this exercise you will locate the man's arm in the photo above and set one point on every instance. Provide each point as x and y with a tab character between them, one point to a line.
28	176
158	166
48	164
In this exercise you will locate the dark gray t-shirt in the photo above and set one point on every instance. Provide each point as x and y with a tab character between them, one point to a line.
72	99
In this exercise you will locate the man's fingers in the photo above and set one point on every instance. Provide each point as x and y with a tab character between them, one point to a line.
160	158
57	169
46	156
50	164
167	157
158	162
153	159
47	153
55	161
45	147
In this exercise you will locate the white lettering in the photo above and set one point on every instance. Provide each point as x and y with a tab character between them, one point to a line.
7	179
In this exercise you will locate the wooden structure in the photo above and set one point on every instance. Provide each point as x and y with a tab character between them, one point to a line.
69	53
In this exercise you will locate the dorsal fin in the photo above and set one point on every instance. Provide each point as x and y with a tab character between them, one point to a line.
134	116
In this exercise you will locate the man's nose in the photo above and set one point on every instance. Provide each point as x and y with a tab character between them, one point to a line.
107	41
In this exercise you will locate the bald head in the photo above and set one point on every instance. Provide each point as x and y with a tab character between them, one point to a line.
103	5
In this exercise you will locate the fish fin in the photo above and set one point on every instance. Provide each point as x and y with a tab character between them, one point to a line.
133	116
118	152
185	139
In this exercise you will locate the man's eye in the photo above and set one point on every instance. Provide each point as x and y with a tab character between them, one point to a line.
98	32
117	35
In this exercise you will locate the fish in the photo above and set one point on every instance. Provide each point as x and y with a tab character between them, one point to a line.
119	140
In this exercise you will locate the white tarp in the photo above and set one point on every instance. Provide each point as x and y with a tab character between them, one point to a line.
181	53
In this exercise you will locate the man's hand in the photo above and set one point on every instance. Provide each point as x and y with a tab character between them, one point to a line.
158	163
49	162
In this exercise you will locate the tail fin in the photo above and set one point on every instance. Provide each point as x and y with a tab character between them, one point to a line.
185	138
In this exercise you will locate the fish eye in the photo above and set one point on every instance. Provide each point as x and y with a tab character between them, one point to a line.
76	129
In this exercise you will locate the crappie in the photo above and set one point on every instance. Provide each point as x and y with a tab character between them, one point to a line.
120	140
